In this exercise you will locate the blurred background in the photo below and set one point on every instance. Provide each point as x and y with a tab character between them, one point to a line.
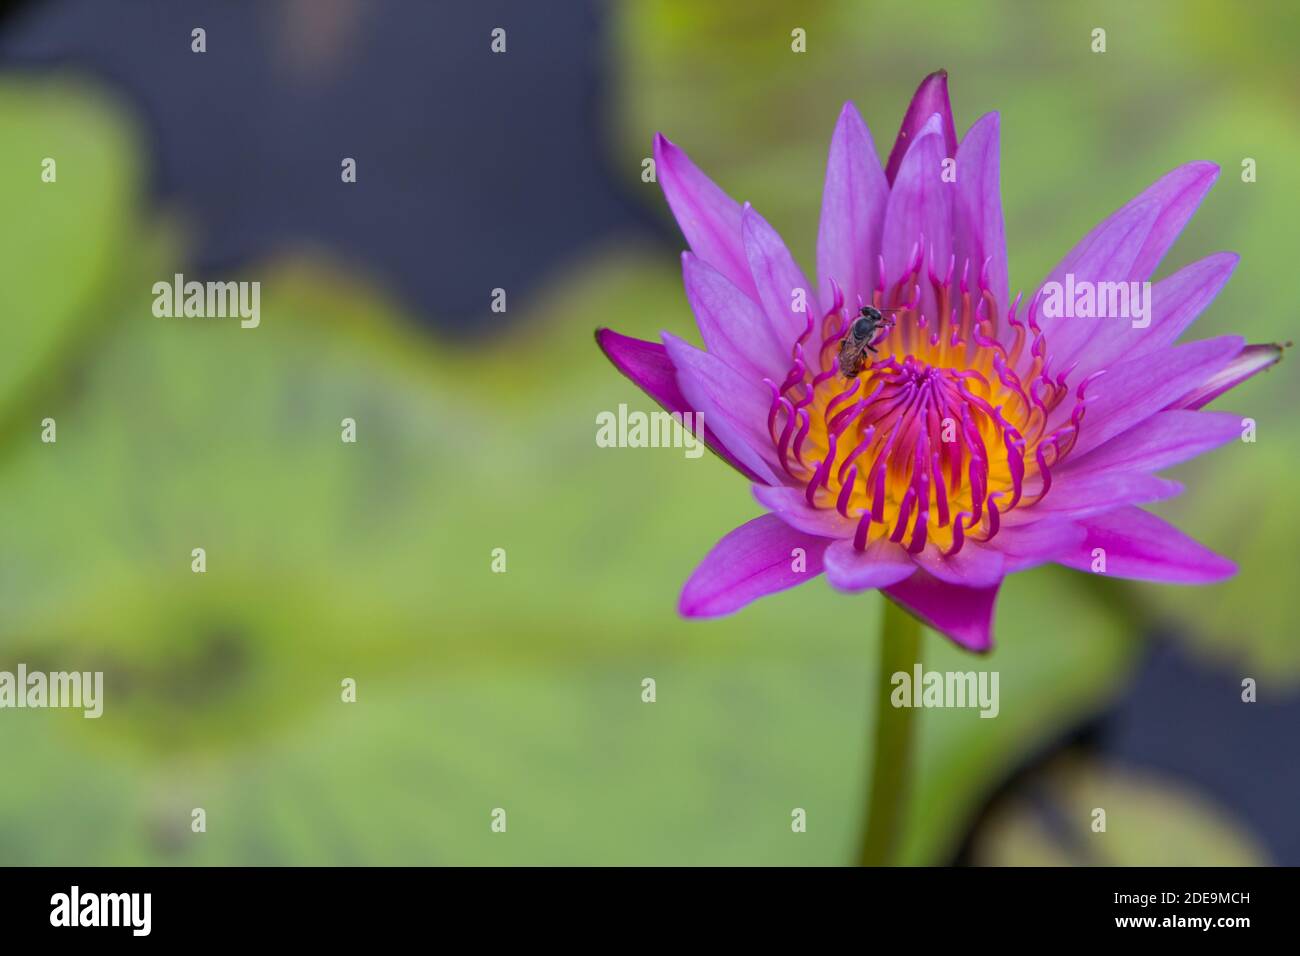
371	561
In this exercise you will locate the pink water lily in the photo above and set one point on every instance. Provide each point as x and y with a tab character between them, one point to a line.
986	436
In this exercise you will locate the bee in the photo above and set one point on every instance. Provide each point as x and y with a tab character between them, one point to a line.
855	346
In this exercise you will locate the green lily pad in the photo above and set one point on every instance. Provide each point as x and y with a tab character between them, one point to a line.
66	242
1148	821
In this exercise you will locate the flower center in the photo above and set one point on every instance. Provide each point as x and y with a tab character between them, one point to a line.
940	434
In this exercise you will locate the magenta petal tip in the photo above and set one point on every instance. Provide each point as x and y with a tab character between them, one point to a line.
931	97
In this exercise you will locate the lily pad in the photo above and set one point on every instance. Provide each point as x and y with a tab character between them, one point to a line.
1148	821
71	169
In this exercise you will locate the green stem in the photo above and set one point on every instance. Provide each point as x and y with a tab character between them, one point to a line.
900	649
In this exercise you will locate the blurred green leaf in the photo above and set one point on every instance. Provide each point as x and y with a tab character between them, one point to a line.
1149	822
65	240
1242	624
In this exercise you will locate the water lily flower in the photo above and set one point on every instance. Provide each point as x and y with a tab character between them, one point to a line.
985	436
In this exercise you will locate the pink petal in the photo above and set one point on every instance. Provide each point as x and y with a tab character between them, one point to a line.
853	209
754	560
1176	301
930	97
648	366
790	505
1252	360
1164	439
1176	196
1137	388
977	210
1112	249
963	614
1030	545
1141	546
1179	192
732	325
976	565
1108	254
707	216
920	209
733	407
882	563
777	277
1152	220
1097	492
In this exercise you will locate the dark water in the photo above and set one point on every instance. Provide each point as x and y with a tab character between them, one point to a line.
475	170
